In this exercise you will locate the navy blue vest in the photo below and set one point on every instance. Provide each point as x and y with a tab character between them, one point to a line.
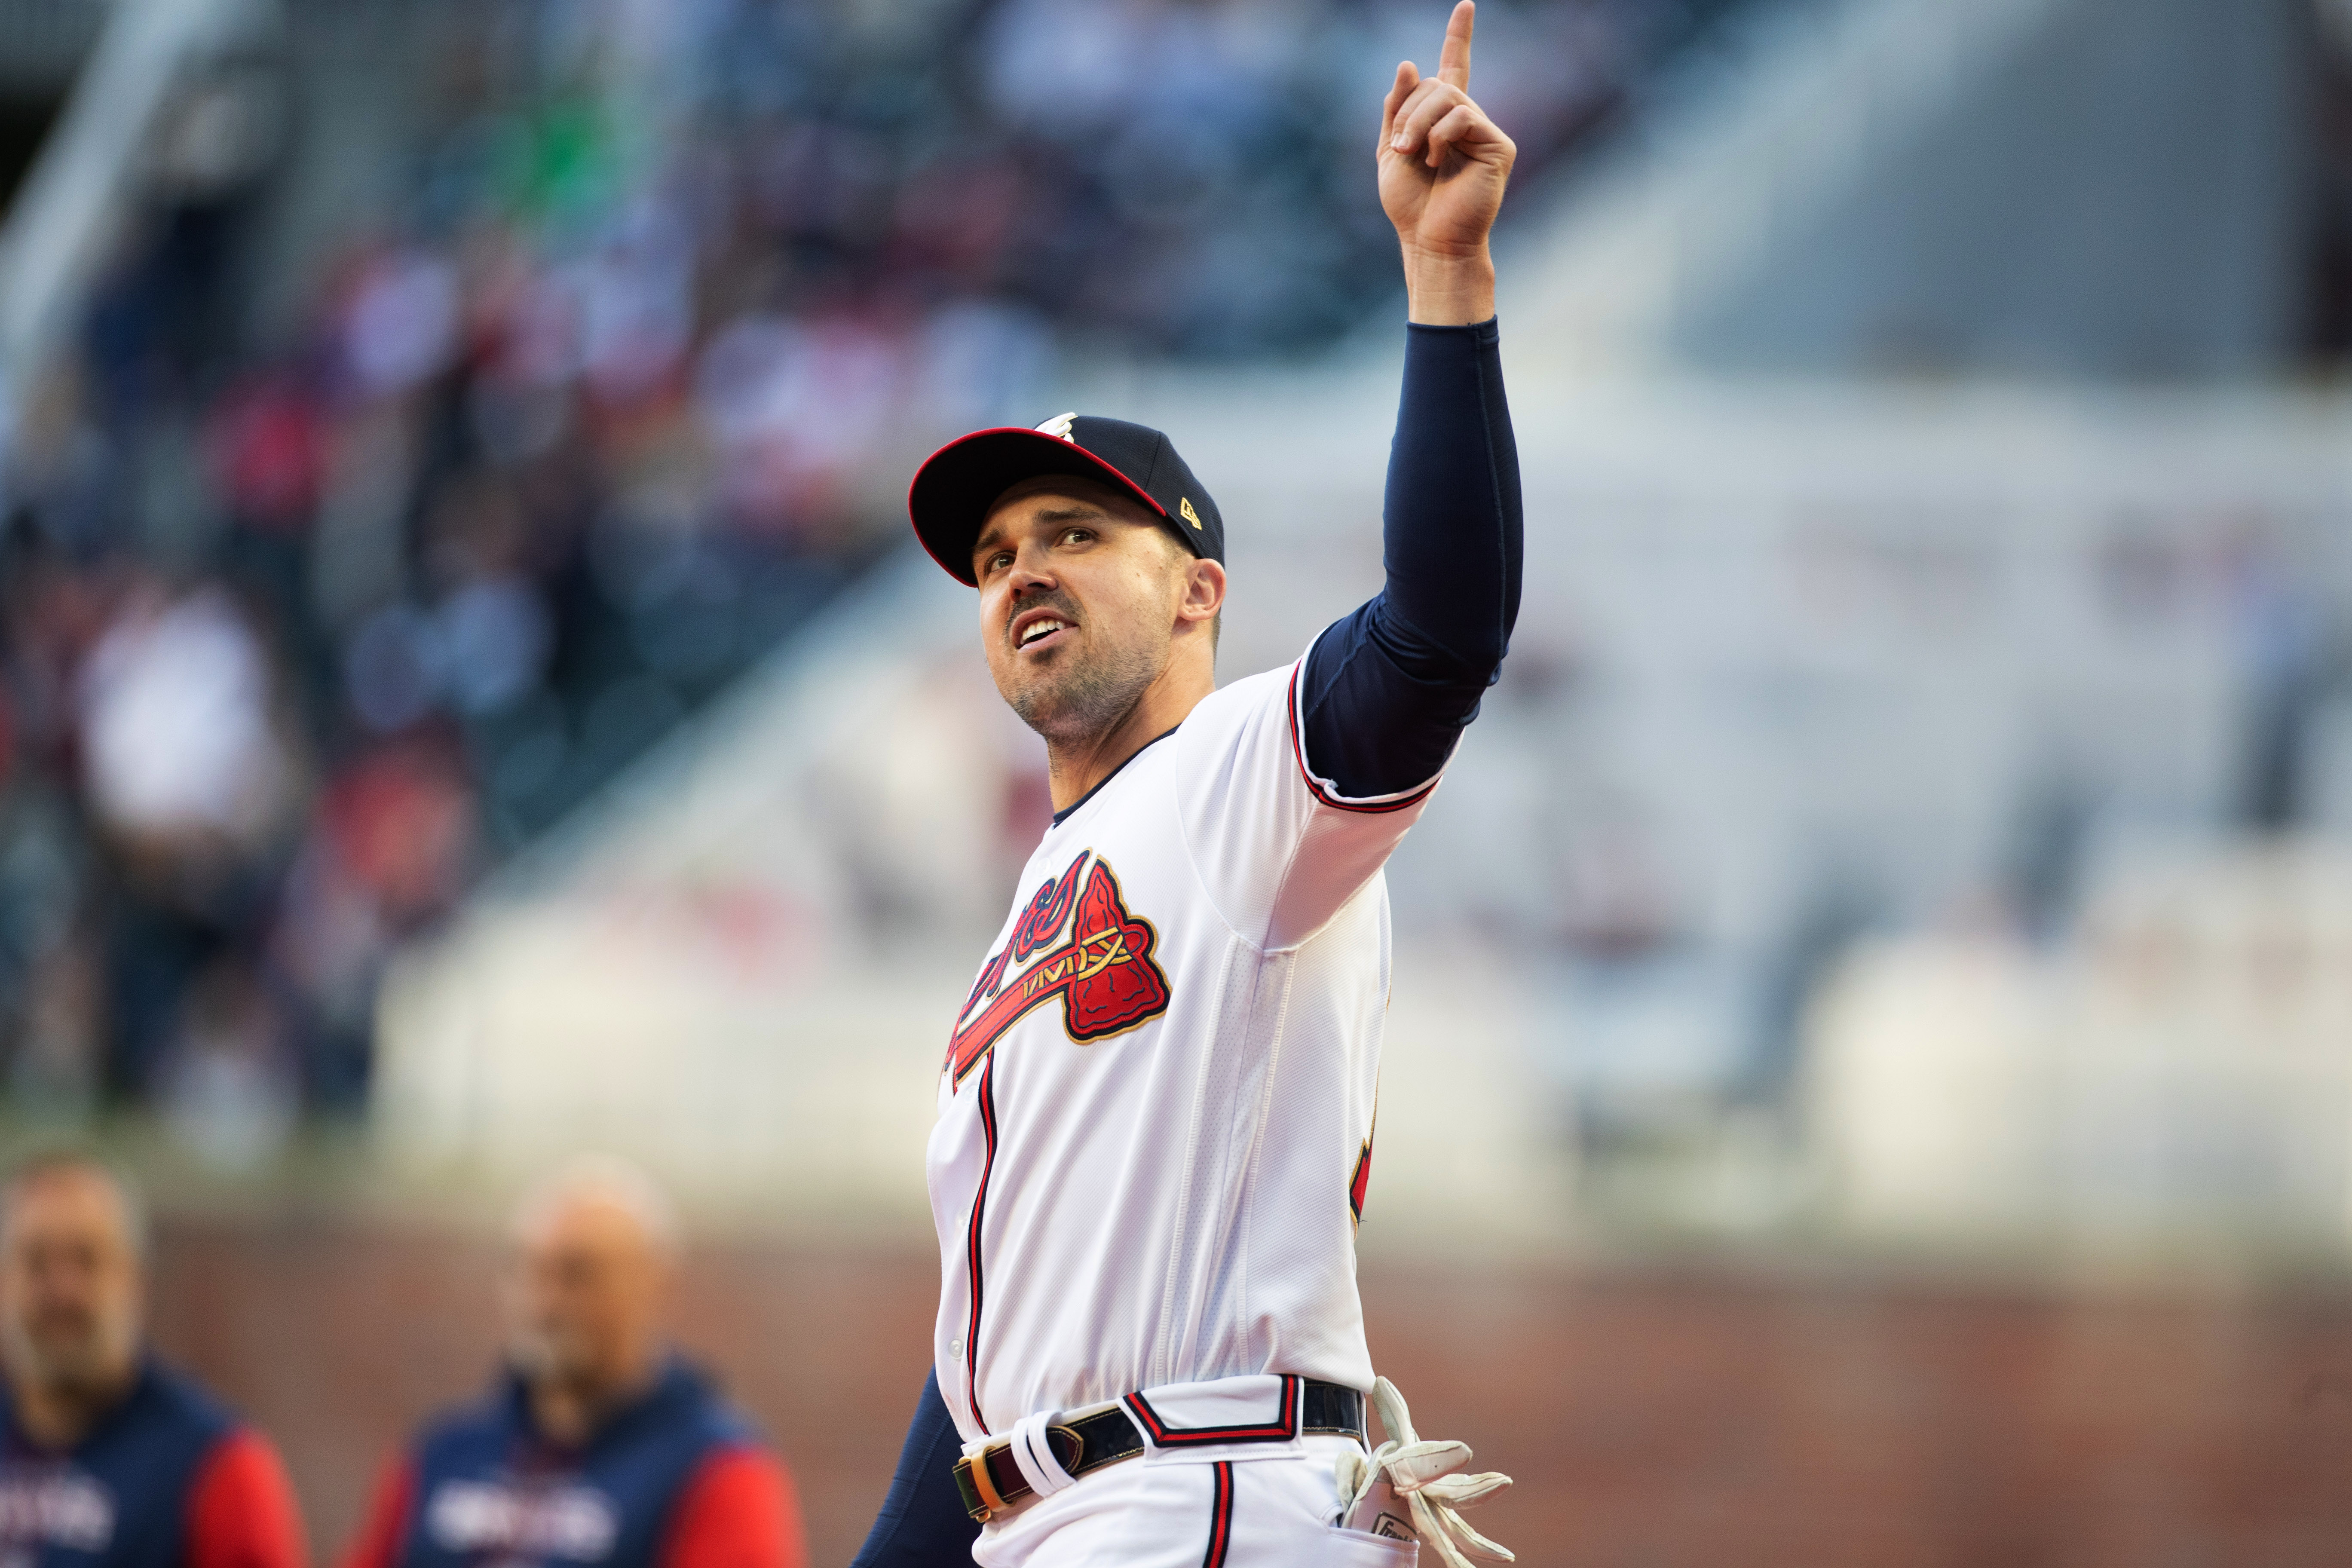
490	1490
118	1498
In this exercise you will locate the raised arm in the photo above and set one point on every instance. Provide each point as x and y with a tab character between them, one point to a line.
1387	691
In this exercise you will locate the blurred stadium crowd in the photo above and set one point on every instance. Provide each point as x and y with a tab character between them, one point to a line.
305	626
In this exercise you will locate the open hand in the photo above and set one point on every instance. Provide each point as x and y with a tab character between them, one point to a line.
1443	163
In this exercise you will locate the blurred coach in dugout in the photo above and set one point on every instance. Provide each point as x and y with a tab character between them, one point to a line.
599	1447
112	1460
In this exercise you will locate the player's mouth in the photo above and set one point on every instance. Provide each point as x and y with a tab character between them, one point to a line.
1037	630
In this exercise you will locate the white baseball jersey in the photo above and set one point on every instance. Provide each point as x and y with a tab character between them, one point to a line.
1156	1113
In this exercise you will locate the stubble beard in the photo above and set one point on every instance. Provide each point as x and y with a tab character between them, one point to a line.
1075	705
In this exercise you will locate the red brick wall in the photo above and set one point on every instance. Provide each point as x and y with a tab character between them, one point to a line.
1652	1417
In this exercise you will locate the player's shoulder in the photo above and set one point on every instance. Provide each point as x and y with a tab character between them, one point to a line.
1238	730
1239	703
745	1480
167	1397
697	1400
1250	690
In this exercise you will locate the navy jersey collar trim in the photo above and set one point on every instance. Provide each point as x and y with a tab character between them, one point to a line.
1072	809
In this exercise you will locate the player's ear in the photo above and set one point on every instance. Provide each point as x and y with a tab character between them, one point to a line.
1204	590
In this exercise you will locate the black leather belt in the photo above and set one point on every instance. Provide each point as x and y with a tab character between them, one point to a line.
992	1482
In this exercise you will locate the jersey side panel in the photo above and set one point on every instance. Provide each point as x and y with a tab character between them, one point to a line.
1204	1331
1301	1235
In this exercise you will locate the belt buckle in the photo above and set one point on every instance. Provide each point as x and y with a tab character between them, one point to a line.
976	1486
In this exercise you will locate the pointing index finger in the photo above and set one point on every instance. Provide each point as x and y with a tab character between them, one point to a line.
1454	64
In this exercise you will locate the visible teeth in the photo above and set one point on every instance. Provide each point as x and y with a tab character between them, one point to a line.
1038	629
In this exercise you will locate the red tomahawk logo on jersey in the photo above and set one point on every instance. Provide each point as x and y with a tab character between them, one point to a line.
1080	947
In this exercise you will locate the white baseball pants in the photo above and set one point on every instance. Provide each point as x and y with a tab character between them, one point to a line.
1169	1510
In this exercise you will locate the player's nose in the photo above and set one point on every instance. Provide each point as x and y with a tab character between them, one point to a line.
1028	577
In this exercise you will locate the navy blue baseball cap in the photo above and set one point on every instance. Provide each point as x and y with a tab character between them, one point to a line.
958	484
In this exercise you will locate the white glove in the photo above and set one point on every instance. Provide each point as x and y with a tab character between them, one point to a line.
1409	1490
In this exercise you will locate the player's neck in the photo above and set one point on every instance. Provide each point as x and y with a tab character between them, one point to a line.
567	1411
1074	767
55	1415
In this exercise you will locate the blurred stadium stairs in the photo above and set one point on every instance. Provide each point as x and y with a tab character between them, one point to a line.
100	99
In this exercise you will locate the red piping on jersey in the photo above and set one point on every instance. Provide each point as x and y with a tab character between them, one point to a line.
971	1247
1282	1429
1220	1517
1298	751
1362	1179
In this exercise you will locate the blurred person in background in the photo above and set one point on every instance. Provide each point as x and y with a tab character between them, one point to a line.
600	1443
108	1459
194	786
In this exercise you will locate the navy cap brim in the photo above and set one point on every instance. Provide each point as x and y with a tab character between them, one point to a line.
958	485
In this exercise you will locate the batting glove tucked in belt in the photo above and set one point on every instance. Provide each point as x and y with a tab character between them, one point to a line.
1410	1490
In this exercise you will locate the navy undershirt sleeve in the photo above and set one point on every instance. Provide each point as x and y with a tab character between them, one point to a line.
1387	689
923	1523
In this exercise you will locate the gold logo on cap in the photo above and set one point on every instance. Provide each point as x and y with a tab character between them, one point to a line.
1184	510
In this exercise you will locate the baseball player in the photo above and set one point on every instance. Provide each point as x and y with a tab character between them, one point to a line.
1155	1109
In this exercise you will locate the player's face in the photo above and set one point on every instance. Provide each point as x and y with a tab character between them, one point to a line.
69	1282
584	1295
1079	589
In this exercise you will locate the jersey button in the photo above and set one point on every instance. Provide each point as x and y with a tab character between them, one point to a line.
955	1347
